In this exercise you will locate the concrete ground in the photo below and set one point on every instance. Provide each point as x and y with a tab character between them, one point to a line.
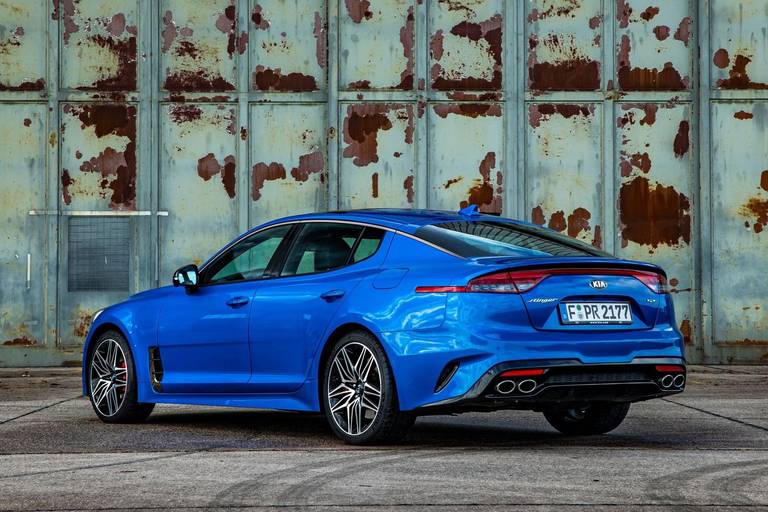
706	449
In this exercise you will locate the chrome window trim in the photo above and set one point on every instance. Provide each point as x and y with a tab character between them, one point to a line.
335	221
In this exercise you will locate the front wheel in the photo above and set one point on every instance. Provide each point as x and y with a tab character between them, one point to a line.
590	419
359	395
112	381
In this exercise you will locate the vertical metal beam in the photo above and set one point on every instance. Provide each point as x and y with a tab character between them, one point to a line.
703	279
243	185
146	172
514	100
333	131
421	138
150	81
517	121
610	177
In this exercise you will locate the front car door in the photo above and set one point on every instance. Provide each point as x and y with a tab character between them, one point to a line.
203	334
291	313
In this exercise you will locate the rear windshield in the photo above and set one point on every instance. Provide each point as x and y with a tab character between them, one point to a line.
497	238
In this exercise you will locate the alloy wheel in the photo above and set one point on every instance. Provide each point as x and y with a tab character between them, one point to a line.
354	388
108	377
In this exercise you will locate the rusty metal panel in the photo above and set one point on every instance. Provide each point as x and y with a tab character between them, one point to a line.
564	44
740	228
739	43
22	245
466	149
377	155
287	160
199	44
198	182
655	195
564	169
289	41
98	156
23	44
98	45
654	45
376	44
466	45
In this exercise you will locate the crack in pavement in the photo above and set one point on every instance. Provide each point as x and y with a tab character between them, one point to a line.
717	415
40	409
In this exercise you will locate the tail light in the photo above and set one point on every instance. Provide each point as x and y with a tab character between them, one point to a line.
669	368
523	373
521	281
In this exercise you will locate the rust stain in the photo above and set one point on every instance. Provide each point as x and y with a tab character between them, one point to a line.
266	79
242	42
683	32
681	140
262	173
721	58
597	239
359	84
488	30
27	121
70	27
452	181
764	180
653	215
169	33
227	24
537	216
463	96
537	111
686	331
742	115
106	119
472	110
623	12
358	10
757	208
662	32
641	161
577	73
116	25
482	193
738	77
124	77
407	40
646	79
561	9
436	45
649	13
21	341
185	113
361	128
82	324
557	221
310	163
208	166
196	81
320	30
375	185
595	21
408	186
243	133
578	221
37	85
258	18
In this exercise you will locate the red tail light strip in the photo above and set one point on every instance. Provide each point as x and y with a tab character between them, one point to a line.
669	368
521	281
523	373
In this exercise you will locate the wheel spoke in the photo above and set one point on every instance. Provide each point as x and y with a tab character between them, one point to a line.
365	370
342	403
347	362
341	390
100	365
100	391
372	390
112	400
343	375
368	404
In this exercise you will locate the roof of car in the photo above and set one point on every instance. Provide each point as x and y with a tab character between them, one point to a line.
401	219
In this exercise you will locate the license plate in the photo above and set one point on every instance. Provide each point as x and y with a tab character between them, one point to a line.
596	313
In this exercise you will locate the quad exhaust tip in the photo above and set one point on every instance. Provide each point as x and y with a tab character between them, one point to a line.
679	381
667	381
527	386
505	387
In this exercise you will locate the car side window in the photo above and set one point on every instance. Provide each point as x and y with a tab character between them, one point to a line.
320	247
368	245
248	259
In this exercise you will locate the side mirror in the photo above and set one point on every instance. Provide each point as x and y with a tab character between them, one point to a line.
187	276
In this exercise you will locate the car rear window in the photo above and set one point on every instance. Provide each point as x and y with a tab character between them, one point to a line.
498	238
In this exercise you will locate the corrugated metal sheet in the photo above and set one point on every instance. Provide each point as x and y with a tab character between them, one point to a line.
195	120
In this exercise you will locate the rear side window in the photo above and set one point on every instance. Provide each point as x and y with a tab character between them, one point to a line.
320	247
368	244
498	238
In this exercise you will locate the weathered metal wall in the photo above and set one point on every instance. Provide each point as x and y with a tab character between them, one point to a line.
164	128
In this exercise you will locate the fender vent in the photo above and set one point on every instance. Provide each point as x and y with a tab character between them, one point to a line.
156	368
446	375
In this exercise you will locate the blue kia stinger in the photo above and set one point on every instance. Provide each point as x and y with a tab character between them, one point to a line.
374	317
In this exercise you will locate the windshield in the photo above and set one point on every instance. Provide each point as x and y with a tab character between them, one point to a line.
498	238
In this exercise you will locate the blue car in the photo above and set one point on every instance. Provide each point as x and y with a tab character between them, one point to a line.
375	317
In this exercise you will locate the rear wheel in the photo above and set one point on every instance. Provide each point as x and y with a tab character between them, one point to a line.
359	395
112	381
589	419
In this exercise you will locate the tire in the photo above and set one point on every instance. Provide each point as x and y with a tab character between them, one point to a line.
592	419
348	393
111	377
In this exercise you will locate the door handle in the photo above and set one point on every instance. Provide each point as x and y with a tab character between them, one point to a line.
236	302
332	295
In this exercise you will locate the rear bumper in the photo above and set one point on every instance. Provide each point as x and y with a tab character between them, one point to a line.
565	381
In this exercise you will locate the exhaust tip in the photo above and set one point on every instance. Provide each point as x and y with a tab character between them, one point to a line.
505	387
679	381
527	386
667	381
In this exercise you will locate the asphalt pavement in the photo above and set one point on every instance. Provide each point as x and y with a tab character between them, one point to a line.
706	449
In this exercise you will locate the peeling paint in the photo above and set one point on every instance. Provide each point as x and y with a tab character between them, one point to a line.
262	173
653	215
361	127
737	75
646	79
208	166
265	79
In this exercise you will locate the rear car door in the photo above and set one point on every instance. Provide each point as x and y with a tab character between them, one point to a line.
291	313
203	335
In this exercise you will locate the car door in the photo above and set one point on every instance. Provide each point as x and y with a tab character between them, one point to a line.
291	313
203	334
